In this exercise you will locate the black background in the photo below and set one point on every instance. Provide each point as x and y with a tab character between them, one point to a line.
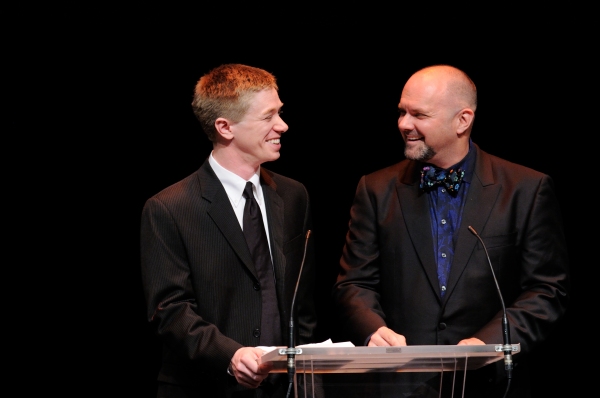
103	101
342	117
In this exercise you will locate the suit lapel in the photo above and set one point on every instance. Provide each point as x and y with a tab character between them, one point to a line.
274	205
222	214
415	209
481	198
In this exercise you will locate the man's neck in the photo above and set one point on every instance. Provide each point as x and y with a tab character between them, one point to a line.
234	163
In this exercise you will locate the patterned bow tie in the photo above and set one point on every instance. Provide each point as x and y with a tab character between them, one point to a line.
432	177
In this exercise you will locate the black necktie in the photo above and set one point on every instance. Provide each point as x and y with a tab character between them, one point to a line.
256	237
432	177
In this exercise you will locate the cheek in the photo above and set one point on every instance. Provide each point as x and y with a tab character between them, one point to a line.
436	134
446	136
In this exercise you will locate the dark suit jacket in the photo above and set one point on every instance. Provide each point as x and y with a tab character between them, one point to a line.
388	269
199	279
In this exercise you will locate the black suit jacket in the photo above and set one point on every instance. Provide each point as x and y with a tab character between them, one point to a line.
388	270
199	279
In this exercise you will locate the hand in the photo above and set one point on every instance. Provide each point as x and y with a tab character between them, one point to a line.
471	341
246	369
385	337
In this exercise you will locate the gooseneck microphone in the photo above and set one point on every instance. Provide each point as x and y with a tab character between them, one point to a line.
507	347
291	351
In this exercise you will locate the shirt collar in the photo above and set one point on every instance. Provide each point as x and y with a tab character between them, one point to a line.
234	185
467	163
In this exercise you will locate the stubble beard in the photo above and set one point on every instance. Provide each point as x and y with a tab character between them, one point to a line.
422	152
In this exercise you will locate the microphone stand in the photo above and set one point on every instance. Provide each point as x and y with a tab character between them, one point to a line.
507	347
291	351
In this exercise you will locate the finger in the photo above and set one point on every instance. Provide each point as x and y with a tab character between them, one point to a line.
377	340
396	340
264	368
249	380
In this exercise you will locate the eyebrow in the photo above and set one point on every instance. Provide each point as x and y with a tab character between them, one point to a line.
273	110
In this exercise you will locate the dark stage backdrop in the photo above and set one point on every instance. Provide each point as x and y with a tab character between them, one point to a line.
340	105
121	128
97	118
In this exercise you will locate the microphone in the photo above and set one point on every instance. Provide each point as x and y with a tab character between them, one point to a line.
507	347
291	351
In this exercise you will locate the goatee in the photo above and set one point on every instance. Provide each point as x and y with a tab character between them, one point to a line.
423	153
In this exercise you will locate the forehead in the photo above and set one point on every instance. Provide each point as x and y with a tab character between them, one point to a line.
422	94
265	101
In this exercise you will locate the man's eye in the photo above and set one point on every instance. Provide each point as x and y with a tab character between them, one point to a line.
269	117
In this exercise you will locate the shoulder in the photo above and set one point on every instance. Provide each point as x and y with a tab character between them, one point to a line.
504	170
402	171
281	183
191	187
514	178
174	190
390	171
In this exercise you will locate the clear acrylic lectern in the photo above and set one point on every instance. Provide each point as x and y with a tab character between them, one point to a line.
348	371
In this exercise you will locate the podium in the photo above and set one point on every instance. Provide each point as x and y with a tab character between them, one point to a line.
357	367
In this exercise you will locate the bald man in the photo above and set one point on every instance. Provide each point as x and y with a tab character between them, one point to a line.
413	270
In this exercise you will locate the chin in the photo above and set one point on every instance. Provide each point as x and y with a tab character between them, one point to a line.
273	157
419	152
413	154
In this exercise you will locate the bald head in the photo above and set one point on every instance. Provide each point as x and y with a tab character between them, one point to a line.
447	83
437	109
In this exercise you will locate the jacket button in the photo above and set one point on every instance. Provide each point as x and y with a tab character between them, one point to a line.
256	332
256	286
442	326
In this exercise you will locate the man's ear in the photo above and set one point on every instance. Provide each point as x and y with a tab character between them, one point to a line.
223	127
465	120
